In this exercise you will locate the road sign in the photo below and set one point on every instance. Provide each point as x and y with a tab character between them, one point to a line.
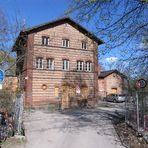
141	83
2	76
78	91
1	86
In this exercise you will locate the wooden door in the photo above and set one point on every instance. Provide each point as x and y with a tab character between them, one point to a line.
65	97
84	92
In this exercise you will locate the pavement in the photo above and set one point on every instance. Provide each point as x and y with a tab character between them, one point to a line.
88	128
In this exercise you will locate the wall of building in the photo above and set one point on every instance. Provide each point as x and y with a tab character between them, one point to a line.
101	88
36	78
112	82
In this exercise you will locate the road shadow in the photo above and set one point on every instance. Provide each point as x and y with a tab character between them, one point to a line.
84	119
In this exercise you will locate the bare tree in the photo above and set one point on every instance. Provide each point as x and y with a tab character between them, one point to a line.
8	33
122	24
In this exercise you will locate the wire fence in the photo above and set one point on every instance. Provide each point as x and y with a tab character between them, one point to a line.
18	114
136	115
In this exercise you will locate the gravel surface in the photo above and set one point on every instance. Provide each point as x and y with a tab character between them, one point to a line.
69	129
128	136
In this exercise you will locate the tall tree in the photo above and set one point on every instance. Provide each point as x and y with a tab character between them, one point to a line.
122	24
8	34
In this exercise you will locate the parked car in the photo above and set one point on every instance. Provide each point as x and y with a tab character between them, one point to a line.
115	98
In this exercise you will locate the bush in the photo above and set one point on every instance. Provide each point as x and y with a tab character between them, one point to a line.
6	101
53	107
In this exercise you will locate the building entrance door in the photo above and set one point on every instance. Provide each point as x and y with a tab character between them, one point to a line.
65	97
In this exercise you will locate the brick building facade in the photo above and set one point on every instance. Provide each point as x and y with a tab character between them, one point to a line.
112	82
54	60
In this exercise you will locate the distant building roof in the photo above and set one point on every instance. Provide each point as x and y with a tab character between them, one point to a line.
104	74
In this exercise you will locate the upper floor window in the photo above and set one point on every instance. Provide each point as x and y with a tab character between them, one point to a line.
84	45
65	65
65	43
50	64
88	66
80	65
45	40
39	63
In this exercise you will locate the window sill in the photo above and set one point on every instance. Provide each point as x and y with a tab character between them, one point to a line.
65	69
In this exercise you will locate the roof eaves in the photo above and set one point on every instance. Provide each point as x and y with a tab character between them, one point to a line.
91	35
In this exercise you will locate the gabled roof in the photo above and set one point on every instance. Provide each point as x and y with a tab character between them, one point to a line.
58	22
61	21
104	74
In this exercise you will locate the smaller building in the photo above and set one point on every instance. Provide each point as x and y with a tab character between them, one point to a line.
112	82
10	83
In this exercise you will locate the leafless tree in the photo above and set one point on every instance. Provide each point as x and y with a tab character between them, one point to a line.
8	33
122	24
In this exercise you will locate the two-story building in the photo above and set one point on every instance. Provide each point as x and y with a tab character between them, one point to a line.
56	61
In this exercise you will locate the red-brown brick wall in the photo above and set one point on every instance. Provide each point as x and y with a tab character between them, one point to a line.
35	95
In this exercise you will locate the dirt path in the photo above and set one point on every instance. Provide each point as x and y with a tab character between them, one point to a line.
70	129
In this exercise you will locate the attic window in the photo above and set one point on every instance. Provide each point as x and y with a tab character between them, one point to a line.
45	40
84	45
65	43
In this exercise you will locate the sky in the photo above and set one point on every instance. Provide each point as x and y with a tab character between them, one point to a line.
35	12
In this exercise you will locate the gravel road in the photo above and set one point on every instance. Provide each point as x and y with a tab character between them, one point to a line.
69	129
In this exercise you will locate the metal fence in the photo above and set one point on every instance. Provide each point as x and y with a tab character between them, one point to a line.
136	115
18	114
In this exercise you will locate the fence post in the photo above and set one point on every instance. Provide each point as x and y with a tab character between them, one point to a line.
137	111
18	114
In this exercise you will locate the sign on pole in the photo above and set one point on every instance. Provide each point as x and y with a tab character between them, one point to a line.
1	76
78	91
1	86
141	83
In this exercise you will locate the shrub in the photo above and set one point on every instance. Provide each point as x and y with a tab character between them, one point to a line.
6	100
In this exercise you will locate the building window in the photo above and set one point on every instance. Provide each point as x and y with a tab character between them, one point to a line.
50	64
80	65
65	65
65	43
45	40
84	45
39	63
88	66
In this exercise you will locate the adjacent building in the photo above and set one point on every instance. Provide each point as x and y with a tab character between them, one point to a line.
10	83
57	61
112	82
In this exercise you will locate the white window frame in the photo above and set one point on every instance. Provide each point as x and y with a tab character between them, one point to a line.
84	45
65	43
39	63
65	64
50	64
45	40
80	65
88	66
